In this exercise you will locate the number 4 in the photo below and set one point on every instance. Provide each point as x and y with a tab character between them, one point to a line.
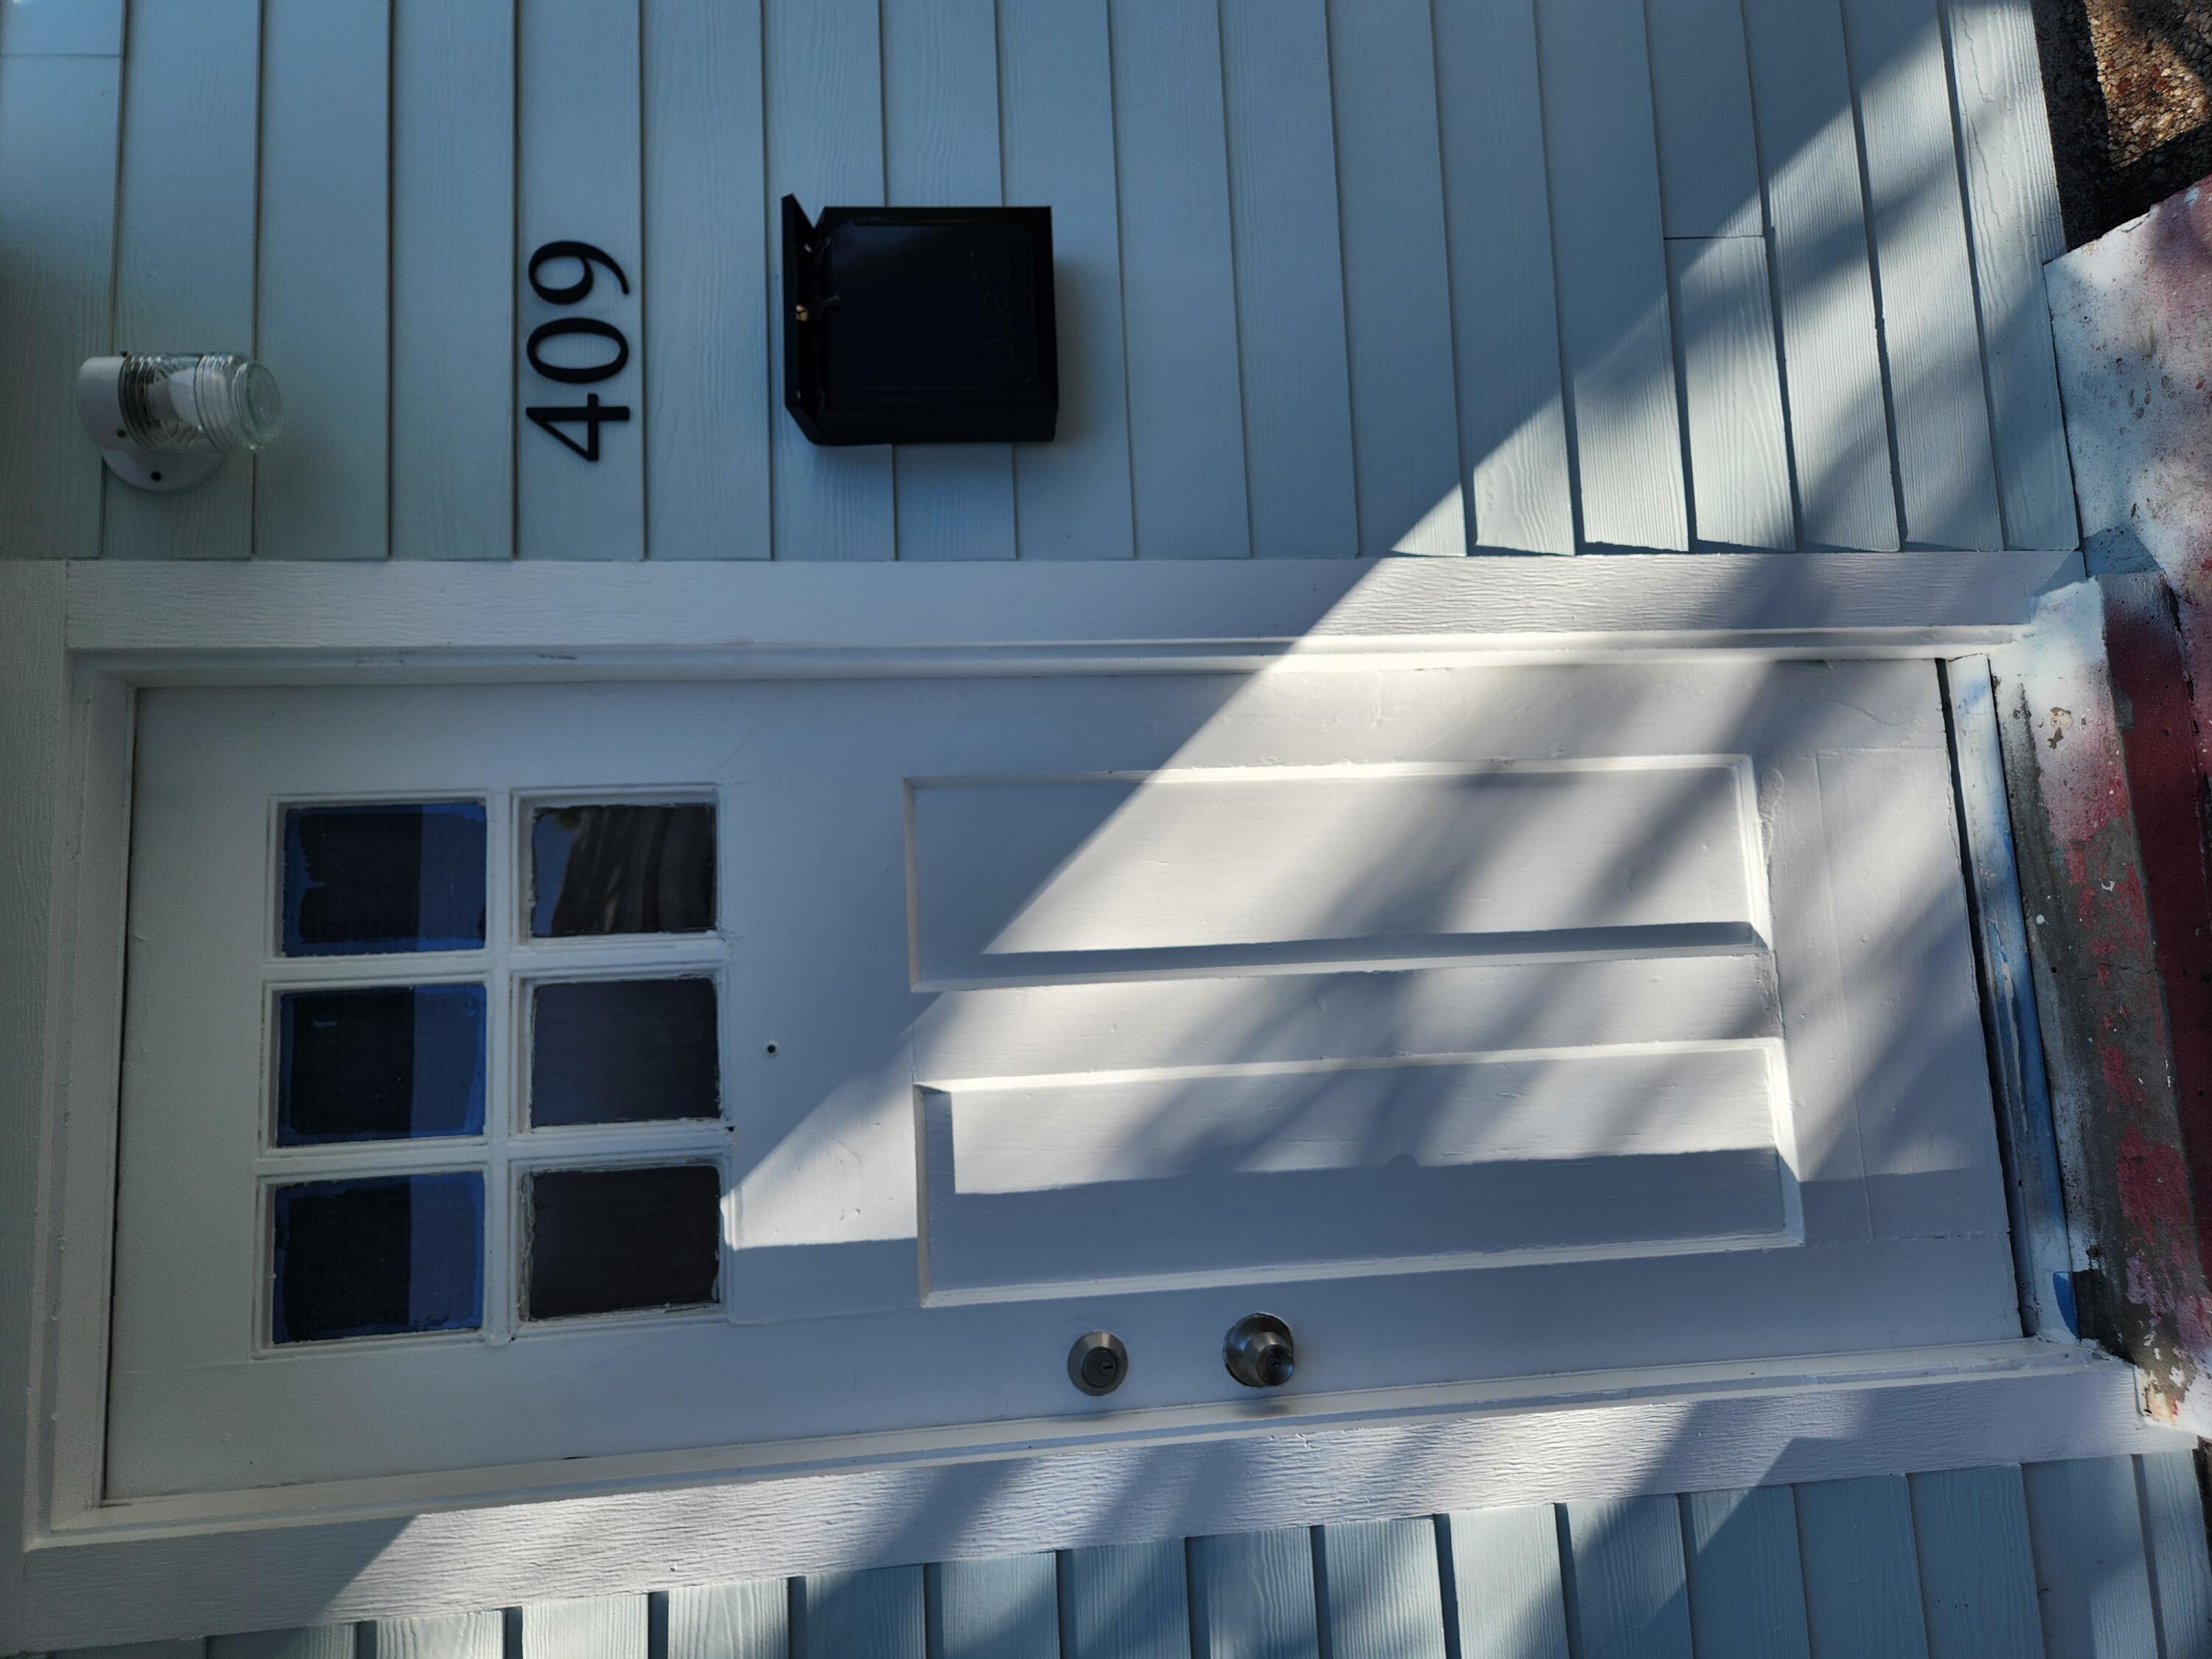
590	412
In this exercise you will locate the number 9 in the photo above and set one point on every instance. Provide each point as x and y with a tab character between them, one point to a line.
583	253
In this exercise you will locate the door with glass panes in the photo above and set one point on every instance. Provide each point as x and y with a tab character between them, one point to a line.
518	1072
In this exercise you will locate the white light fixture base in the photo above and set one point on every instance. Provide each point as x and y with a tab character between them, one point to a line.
162	471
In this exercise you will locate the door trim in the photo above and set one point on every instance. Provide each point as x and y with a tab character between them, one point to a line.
77	642
1085	617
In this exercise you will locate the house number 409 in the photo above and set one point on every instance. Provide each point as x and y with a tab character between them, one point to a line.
552	417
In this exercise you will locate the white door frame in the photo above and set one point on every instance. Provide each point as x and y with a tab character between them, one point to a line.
76	642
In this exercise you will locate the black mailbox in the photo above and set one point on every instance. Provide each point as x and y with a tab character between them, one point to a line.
920	325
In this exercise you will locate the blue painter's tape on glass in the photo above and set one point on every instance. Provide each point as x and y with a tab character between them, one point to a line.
376	877
386	1062
377	1257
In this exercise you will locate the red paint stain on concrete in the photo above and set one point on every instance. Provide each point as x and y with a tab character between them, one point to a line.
2161	744
2139	1165
2124	789
2153	1182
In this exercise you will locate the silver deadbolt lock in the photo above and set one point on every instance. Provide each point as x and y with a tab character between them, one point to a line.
1097	1362
1259	1352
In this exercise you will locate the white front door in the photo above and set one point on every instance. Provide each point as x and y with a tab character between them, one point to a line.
528	1072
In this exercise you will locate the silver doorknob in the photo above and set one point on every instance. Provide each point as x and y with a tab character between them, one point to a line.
1259	1353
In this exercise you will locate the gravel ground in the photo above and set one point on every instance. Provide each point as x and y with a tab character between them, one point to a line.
2127	82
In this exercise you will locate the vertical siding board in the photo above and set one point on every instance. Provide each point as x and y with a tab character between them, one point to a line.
1946	468
594	1627
1178	282
878	1613
1713	213
1861	1579
1832	366
1504	1597
1125	1601
437	1635
2012	198
1056	137
2173	1537
1630	1594
453	279
1397	285
320	491
1380	1594
1289	279
88	27
1505	325
578	178
1614	331
1252	1597
2093	1582
1007	1607
59	118
705	283
825	146
1746	1586
1701	98
320	1642
751	1620
184	254
1732	389
1977	1571
941	149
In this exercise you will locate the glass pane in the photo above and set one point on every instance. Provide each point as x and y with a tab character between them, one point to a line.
376	877
385	1063
600	1241
623	1051
367	1258
622	868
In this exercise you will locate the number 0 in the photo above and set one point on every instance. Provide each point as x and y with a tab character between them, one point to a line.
585	376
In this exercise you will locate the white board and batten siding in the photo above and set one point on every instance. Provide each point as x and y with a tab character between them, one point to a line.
2098	1558
1334	279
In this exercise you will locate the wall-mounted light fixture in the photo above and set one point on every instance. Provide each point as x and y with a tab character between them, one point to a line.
166	422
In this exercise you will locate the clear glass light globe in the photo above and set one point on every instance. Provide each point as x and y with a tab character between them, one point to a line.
195	402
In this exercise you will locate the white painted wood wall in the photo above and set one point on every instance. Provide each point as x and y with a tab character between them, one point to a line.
2095	1558
1336	277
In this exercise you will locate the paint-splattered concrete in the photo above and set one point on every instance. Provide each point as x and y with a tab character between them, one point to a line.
2159	737
2141	1284
2131	317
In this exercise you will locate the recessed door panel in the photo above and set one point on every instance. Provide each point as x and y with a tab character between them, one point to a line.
1217	868
1242	1174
